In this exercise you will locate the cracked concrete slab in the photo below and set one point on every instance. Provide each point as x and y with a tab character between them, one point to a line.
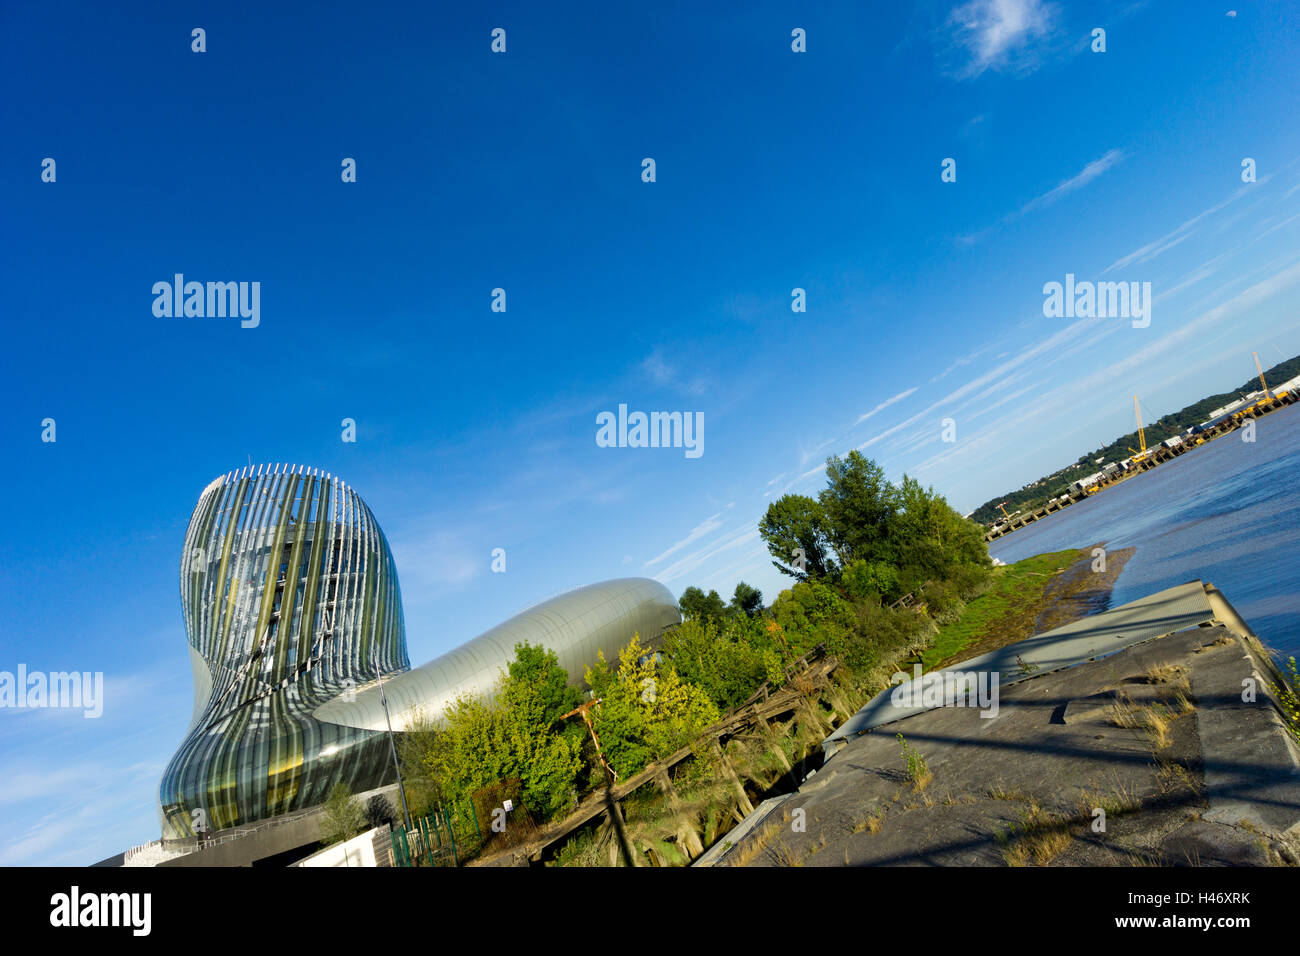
1164	612
1159	750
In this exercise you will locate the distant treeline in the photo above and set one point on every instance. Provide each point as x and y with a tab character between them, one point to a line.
1176	423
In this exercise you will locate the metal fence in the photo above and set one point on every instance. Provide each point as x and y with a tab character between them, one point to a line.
434	840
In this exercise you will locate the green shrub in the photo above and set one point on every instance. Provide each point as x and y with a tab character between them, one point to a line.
647	711
343	816
728	664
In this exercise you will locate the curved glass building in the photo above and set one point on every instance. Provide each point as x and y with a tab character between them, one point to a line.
290	599
293	613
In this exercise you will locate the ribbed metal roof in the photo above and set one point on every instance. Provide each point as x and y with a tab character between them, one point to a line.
576	625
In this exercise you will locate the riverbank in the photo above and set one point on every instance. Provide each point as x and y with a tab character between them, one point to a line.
1149	754
1029	597
666	825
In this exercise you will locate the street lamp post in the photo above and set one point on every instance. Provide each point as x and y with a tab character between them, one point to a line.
392	745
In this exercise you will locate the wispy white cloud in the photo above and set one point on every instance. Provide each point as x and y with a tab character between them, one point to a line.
656	368
1172	238
1080	179
707	526
999	35
1077	181
689	562
436	562
960	362
804	456
887	432
883	405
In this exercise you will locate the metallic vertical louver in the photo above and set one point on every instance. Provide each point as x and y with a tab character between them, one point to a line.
290	599
292	613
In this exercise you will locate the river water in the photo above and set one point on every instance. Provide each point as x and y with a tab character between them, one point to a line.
1227	513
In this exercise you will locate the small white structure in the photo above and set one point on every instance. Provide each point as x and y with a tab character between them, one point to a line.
154	853
369	849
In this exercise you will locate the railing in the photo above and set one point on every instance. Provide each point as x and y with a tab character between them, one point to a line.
160	851
431	839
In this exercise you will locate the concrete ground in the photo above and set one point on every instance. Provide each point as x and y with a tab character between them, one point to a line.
1148	756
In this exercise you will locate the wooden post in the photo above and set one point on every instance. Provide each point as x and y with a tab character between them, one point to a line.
774	743
686	834
620	829
741	797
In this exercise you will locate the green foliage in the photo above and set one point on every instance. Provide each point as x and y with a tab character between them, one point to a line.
812	613
647	711
942	601
1288	695
379	812
695	605
518	736
794	524
537	688
728	665
581	849
423	791
746	600
869	580
343	816
881	629
917	771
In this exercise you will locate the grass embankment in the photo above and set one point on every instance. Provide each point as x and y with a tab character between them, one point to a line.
1014	598
1027	598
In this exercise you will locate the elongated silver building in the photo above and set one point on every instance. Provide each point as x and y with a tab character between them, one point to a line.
293	613
577	626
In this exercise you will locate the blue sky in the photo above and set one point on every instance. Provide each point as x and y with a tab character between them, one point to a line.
476	430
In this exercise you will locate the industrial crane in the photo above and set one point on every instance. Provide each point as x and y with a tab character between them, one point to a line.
1263	402
1142	438
1260	369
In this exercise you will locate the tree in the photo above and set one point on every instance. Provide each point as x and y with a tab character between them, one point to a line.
518	736
859	504
647	711
797	533
423	792
728	665
538	687
812	613
379	812
746	600
931	538
695	605
343	817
